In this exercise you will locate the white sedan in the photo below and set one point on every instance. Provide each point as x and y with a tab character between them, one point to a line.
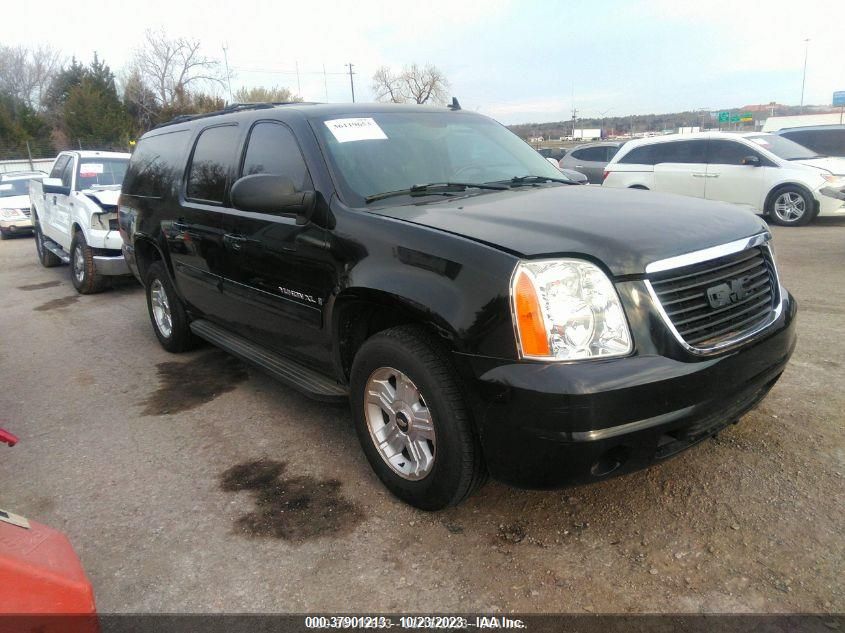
769	174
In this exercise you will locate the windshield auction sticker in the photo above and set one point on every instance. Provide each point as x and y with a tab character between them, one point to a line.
345	130
87	170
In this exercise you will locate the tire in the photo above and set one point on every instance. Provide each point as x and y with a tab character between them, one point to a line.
47	259
3	235
162	300
445	465
83	272
791	206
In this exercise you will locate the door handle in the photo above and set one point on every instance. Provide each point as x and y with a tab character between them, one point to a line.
699	175
235	242
579	166
179	226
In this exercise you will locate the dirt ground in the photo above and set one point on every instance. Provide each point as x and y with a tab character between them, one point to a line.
195	484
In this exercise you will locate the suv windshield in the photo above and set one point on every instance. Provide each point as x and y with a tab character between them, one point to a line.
97	171
783	147
9	188
392	152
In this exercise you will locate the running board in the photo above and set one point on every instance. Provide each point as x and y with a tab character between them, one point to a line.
57	250
311	383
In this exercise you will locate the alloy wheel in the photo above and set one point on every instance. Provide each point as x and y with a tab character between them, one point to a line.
400	423
790	206
161	308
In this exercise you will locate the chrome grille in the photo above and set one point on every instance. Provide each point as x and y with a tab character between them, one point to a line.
714	303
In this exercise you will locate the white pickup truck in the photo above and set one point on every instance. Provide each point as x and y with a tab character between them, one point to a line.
74	214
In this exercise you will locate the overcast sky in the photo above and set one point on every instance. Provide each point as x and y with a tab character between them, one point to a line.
518	61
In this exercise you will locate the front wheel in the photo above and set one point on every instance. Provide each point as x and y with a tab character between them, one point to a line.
167	313
412	420
791	206
83	271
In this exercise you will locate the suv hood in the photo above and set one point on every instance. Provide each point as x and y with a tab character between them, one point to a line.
15	202
622	228
829	164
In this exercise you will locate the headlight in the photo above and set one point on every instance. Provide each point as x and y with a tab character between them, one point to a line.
836	181
12	214
567	309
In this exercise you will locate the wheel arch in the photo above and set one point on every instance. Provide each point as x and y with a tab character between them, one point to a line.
147	252
770	196
358	313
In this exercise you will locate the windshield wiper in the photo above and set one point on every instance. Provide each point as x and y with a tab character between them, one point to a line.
434	189
519	181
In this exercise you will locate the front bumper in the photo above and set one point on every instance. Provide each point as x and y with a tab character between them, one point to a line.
831	201
544	425
18	225
111	265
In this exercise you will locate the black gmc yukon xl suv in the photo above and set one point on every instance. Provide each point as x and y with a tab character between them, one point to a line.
481	314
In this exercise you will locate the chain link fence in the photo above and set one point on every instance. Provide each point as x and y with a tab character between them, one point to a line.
39	154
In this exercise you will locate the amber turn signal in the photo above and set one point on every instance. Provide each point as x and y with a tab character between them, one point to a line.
533	335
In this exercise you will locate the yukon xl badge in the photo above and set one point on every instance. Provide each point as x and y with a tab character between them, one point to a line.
724	294
301	296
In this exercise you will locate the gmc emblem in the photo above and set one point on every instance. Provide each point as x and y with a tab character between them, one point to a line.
724	294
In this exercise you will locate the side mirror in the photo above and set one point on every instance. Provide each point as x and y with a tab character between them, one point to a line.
753	161
271	193
54	185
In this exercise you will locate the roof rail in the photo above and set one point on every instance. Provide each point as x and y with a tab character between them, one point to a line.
232	107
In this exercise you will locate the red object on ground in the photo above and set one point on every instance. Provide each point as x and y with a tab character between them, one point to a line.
40	577
8	438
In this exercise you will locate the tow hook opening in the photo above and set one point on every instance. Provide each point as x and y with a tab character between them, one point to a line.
610	461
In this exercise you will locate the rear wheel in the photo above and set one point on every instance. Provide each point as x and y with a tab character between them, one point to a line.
412	420
167	313
47	258
791	206
83	272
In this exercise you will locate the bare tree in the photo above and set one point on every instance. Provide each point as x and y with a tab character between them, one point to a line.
171	67
26	73
414	84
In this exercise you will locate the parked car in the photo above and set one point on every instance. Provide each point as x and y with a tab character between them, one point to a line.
827	140
590	159
766	173
14	202
480	313
575	176
75	217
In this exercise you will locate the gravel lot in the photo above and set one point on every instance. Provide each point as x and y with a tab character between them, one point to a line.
194	484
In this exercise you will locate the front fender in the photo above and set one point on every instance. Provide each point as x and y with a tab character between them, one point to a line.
457	285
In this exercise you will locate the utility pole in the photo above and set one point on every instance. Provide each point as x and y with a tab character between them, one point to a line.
804	77
325	83
574	120
298	83
228	75
351	81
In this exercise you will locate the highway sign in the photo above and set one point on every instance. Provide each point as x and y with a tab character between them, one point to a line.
724	116
734	118
839	98
745	117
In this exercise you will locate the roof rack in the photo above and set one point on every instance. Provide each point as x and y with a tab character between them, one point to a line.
232	107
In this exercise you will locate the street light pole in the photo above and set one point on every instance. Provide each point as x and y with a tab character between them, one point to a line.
804	77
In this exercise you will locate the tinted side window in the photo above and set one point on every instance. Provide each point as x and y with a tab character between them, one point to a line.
67	174
59	166
212	164
595	154
272	149
680	152
155	168
827	142
611	151
728	153
639	156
